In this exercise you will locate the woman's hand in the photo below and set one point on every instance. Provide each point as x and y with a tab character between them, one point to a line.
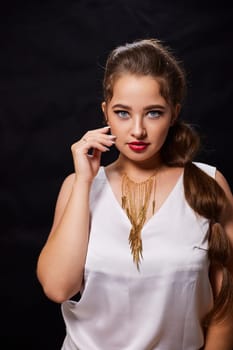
87	165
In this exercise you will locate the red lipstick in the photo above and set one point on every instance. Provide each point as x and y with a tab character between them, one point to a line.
138	146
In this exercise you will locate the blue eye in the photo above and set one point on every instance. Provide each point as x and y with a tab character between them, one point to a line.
122	114
154	114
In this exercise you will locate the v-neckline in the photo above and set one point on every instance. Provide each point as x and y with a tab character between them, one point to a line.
157	213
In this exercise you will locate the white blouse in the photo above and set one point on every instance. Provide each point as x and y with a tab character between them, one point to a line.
159	307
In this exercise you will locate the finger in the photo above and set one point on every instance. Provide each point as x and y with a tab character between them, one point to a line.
96	146
106	140
91	141
83	147
103	130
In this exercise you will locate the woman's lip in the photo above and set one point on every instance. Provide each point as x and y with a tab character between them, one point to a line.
137	143
138	146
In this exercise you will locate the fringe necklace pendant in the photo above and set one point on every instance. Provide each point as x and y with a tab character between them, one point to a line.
135	201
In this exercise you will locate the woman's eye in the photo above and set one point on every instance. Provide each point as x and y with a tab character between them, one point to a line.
154	114
122	114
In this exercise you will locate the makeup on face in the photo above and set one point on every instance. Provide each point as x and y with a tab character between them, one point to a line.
138	146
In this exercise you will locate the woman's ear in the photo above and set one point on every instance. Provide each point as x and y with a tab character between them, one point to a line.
175	113
104	109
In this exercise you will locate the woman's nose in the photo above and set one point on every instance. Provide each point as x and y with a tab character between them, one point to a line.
138	130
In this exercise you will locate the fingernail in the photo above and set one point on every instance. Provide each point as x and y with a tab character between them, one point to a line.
112	136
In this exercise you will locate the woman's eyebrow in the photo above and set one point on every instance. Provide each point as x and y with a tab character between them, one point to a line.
154	107
119	105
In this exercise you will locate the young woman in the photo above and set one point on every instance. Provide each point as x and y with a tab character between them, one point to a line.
146	240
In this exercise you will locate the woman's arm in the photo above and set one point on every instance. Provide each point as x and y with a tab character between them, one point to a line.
220	335
61	262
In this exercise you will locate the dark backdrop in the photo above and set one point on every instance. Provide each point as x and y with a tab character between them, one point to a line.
51	65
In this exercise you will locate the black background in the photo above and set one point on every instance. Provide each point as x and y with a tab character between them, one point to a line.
51	65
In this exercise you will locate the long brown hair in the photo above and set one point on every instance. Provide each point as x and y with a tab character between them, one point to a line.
150	57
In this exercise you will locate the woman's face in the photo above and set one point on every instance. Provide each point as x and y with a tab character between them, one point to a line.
139	117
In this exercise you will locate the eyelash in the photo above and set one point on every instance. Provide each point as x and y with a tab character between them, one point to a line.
119	113
158	113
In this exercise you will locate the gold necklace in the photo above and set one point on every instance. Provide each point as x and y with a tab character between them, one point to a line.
135	201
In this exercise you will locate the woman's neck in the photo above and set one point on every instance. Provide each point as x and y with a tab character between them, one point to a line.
138	171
